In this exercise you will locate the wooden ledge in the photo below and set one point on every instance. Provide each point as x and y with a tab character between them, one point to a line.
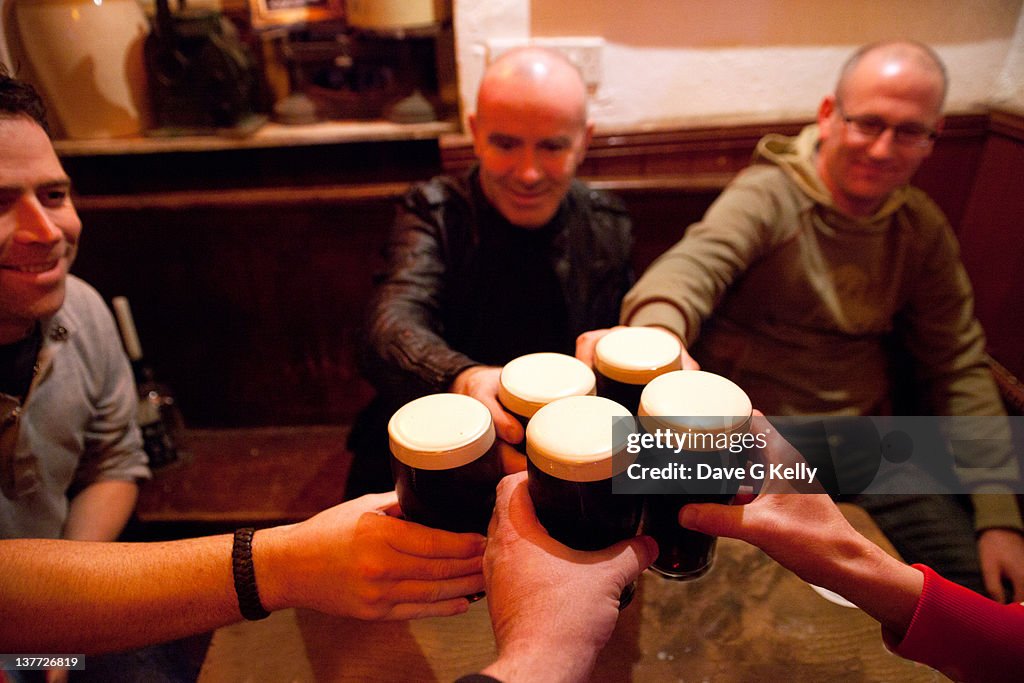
269	135
250	476
247	198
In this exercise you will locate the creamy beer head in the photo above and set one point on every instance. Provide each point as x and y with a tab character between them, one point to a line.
441	431
530	382
694	401
636	355
573	453
572	439
444	462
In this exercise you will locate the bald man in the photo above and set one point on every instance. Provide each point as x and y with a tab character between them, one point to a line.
820	257
515	257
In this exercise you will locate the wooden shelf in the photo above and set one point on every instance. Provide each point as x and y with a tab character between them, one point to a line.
250	198
269	135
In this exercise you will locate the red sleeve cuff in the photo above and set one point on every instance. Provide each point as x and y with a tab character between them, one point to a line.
965	635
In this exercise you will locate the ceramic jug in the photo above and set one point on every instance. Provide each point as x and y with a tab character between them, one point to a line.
85	57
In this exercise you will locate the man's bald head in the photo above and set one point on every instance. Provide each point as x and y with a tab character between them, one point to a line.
892	56
530	133
536	73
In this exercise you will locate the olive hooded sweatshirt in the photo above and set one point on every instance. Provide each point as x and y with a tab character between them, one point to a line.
802	305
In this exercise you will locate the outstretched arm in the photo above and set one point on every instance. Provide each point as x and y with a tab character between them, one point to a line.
924	617
351	560
405	353
807	534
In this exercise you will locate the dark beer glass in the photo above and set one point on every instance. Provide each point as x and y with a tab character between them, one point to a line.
698	404
445	465
572	459
626	359
530	382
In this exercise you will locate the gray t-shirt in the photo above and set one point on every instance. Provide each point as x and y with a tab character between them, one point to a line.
77	424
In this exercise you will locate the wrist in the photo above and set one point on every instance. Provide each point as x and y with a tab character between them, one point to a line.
543	664
270	560
884	587
660	314
559	649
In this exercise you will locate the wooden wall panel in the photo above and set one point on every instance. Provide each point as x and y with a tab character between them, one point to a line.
251	316
992	241
948	175
249	272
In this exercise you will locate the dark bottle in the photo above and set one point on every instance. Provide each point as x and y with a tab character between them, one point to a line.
158	416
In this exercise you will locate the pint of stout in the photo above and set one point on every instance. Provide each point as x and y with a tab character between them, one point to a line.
572	458
530	382
626	359
444	462
709	410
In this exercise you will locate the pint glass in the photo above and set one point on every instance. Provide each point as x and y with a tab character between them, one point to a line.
445	465
530	382
572	457
707	411
626	359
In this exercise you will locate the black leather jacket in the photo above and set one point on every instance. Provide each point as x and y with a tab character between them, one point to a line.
420	317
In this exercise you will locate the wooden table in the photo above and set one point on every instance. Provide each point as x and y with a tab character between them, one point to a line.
747	620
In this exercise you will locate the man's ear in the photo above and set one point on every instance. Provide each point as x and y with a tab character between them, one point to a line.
588	135
938	129
826	121
474	128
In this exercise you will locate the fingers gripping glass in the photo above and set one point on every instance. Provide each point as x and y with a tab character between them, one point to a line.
871	127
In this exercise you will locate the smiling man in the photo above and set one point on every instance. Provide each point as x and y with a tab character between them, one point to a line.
514	257
815	263
70	453
879	125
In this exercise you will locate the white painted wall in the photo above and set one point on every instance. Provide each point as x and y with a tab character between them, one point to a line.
1009	88
670	63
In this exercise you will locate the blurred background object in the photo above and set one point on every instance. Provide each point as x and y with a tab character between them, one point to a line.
410	30
202	78
164	68
365	59
85	58
396	15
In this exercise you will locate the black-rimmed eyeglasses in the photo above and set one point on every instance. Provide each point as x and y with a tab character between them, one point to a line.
871	127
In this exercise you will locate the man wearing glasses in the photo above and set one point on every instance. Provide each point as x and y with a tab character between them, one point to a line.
818	257
70	453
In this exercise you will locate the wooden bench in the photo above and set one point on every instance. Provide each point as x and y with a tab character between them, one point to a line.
228	478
